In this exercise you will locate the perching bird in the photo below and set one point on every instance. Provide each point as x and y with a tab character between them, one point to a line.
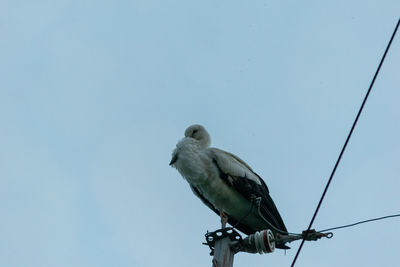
225	183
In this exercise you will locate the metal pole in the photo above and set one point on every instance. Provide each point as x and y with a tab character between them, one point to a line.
223	255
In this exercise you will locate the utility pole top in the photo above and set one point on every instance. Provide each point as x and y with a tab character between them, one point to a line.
223	255
226	242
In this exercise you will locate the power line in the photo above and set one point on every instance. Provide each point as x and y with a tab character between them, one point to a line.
360	222
346	142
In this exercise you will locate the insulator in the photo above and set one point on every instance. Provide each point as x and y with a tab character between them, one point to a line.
264	241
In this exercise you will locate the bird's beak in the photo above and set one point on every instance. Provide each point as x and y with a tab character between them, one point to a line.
173	160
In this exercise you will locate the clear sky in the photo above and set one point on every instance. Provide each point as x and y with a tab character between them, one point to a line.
94	95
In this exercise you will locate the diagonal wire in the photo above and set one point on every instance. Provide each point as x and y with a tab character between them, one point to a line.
347	140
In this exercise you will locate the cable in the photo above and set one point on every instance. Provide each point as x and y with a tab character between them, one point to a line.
360	222
346	142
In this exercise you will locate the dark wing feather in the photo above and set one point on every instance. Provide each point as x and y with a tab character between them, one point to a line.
250	189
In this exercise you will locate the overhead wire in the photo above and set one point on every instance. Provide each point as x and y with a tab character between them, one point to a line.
360	222
346	142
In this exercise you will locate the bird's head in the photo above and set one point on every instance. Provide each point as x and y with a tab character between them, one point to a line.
198	133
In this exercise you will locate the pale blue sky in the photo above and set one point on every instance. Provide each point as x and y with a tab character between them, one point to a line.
94	96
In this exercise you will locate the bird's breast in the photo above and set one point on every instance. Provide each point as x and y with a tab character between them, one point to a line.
192	165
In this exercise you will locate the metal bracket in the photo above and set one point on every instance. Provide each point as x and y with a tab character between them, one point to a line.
212	237
252	243
311	235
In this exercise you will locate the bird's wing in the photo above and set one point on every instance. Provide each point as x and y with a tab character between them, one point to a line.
237	174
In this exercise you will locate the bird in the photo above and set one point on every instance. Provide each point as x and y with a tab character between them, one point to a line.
226	184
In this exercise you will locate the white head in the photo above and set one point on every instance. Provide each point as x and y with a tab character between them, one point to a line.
200	134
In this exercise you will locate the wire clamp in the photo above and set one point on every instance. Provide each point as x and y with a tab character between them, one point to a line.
212	237
313	235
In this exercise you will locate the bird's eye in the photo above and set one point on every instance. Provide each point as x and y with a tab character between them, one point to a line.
194	131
